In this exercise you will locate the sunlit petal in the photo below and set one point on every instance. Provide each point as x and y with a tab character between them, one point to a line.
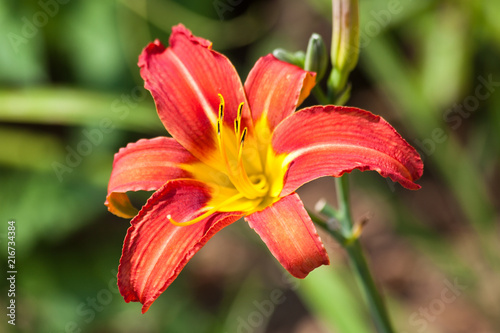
331	140
290	235
155	250
145	165
275	88
185	80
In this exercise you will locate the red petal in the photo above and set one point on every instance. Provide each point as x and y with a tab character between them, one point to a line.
155	250
331	140
185	80
144	166
290	235
275	88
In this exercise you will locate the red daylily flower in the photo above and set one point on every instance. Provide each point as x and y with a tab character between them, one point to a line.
237	151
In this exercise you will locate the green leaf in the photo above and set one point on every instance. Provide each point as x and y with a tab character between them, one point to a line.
130	110
329	293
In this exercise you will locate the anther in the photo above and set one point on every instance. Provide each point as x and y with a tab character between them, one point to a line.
221	107
240	110
238	175
243	136
236	127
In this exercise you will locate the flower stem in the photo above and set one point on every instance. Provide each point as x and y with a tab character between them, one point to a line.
358	261
344	209
348	238
320	95
369	288
340	223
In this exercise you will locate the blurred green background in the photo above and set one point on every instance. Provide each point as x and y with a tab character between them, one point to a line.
68	71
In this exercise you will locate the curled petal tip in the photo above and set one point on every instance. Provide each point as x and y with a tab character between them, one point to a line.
181	31
145	308
343	139
153	48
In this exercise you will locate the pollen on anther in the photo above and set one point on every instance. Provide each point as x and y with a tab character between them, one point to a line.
243	135
236	126
221	111
221	107
240	110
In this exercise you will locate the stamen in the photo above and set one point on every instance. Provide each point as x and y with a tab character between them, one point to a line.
238	175
237	121
243	137
240	110
235	179
221	107
207	213
240	147
256	188
237	127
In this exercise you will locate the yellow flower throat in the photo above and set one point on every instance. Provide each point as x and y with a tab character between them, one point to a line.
249	187
242	191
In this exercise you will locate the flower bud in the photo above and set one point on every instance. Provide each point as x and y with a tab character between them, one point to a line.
345	41
296	58
316	56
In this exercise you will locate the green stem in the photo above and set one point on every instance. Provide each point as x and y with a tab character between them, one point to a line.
332	231
349	240
347	235
356	256
367	284
344	209
320	95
